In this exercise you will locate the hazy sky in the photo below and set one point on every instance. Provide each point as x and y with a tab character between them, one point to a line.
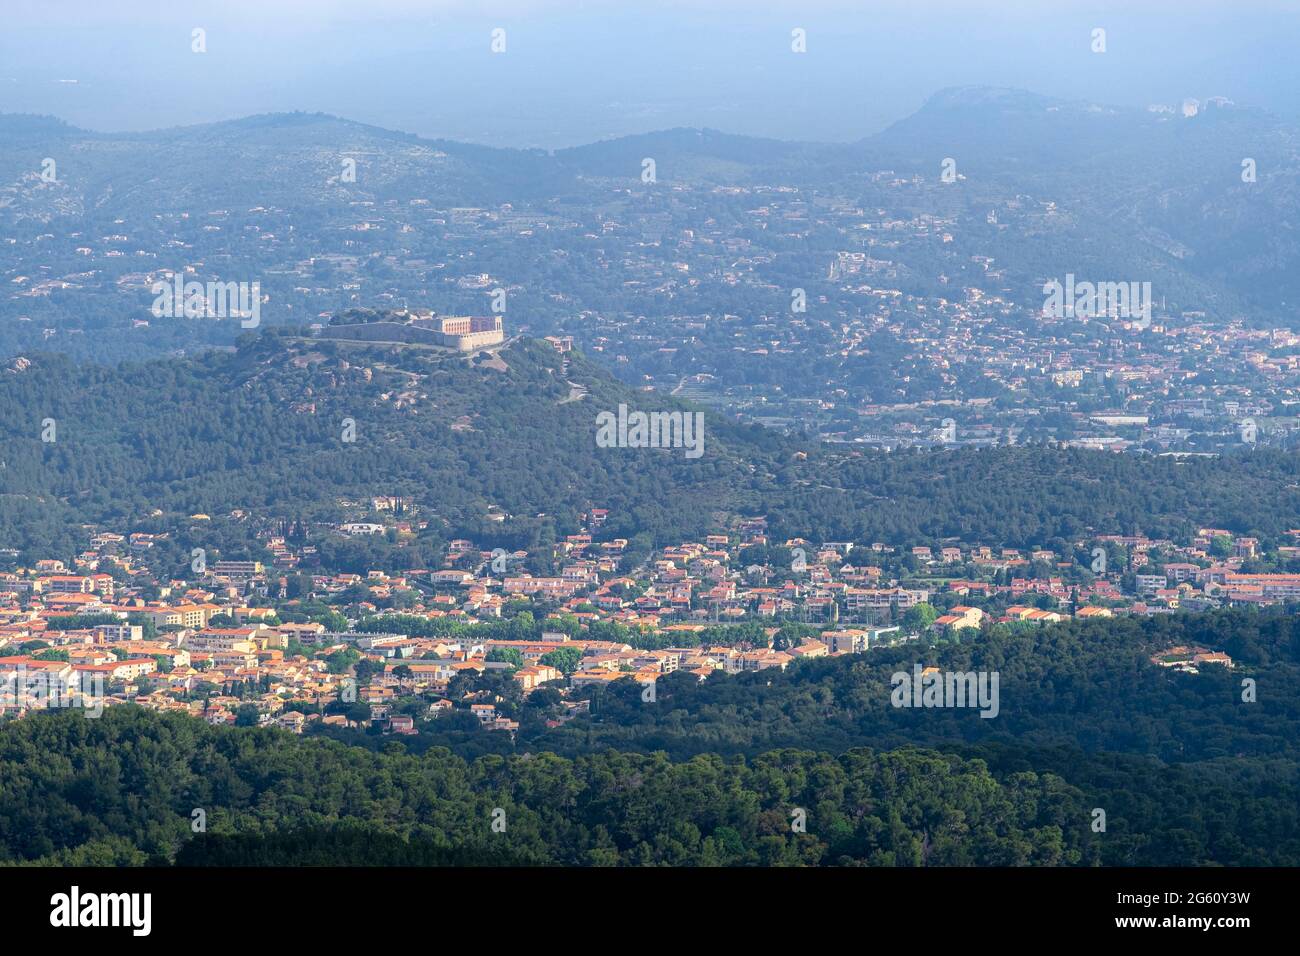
580	70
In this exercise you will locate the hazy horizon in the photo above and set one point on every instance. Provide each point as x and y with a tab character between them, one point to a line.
574	73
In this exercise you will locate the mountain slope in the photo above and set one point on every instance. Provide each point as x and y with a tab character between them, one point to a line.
1082	188
260	432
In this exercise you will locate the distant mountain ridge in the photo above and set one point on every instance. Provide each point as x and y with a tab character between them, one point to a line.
1140	194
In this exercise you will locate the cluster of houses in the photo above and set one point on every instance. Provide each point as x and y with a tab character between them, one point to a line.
1189	659
104	632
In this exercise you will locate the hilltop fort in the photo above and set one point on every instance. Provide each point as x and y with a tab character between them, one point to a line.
464	333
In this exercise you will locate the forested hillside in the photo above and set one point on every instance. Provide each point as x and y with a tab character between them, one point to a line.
124	788
262	432
1087	685
717	773
1183	761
